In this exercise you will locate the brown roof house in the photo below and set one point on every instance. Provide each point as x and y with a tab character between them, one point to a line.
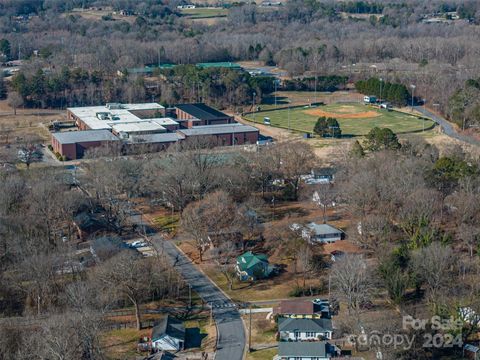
303	309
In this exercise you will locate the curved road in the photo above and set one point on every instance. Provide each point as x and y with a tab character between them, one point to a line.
230	329
447	127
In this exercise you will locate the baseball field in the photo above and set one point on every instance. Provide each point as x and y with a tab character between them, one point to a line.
355	119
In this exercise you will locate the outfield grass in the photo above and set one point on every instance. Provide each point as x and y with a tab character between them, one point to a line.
355	119
202	13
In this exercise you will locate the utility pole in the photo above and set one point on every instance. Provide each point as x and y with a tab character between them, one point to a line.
250	328
289	116
190	295
275	92
211	314
424	109
253	105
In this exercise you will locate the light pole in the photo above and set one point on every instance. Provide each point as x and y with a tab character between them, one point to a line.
413	92
289	115
275	92
381	81
253	105
425	111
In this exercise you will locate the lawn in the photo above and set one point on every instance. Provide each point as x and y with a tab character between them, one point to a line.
203	13
265	354
355	119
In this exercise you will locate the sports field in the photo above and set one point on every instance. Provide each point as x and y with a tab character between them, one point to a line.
204	13
355	119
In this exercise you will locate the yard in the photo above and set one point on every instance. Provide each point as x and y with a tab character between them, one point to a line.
204	13
355	119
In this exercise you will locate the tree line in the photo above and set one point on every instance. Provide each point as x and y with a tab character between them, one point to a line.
395	93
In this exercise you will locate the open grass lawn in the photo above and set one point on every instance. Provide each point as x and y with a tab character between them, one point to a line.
355	119
201	13
122	344
266	354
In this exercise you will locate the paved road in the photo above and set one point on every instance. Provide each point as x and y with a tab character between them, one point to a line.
447	127
231	334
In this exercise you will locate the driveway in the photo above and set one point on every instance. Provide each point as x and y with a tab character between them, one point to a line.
230	330
447	127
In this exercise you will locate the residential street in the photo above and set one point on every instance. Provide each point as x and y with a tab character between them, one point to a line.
447	127
230	329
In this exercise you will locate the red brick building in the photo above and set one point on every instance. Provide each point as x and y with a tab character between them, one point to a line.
224	135
73	144
199	114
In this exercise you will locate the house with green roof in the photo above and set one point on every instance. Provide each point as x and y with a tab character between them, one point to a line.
252	266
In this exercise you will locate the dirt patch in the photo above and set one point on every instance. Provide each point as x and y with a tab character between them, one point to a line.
345	112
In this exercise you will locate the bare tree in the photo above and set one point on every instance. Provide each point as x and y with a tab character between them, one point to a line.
351	281
224	256
135	279
324	196
433	265
470	236
210	219
295	159
15	100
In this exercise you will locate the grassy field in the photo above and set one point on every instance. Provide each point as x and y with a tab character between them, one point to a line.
203	13
355	119
265	354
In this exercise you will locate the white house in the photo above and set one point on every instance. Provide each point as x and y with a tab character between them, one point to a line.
168	334
321	233
291	329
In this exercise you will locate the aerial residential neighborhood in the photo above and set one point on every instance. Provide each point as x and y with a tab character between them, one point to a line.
239	180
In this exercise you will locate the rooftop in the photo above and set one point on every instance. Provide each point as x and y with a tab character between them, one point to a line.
302	349
72	137
168	326
139	126
249	259
300	307
218	129
323	229
101	117
313	325
201	111
155	138
229	65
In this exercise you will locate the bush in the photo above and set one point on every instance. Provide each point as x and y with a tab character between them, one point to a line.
50	147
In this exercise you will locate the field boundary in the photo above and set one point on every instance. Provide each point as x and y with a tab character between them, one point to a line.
417	117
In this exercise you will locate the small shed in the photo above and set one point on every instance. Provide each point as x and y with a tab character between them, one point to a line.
168	335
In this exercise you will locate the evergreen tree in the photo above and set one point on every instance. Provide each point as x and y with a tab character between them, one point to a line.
327	127
320	126
357	150
381	139
5	48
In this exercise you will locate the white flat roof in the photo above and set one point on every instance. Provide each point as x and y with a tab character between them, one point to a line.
218	129
164	121
88	114
140	126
